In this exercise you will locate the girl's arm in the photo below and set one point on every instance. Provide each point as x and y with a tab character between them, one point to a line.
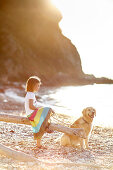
31	106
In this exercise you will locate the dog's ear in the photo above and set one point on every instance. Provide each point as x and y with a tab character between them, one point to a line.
83	111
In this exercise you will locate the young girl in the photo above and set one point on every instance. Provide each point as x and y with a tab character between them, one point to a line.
38	116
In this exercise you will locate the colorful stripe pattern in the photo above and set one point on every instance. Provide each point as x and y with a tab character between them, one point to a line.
37	118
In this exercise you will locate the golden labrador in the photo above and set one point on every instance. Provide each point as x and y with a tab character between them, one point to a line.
84	122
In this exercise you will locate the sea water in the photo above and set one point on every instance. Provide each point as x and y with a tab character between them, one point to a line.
71	100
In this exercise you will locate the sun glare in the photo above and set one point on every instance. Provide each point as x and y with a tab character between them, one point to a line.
89	25
58	3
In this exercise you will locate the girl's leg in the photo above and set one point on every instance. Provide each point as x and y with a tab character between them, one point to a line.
39	135
47	123
39	143
43	128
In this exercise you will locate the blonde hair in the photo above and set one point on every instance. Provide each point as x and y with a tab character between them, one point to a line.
31	82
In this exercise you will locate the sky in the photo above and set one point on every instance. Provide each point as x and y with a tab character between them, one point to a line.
89	26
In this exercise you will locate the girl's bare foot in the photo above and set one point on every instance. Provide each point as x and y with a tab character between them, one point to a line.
39	144
37	148
42	147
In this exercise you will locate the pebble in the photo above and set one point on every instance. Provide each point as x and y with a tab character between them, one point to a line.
20	137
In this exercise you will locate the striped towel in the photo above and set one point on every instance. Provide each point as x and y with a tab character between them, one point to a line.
37	118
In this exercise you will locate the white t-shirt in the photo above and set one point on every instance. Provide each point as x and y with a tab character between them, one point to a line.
30	95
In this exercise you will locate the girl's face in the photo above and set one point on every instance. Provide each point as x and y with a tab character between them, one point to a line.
36	87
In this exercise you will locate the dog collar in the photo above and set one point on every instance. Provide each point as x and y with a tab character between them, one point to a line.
86	121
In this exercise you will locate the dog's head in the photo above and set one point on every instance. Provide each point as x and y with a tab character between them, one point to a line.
88	114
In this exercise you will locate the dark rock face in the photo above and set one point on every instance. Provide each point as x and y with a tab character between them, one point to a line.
31	43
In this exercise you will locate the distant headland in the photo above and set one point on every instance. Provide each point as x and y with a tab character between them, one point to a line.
31	43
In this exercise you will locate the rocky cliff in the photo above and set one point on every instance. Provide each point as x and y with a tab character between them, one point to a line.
31	43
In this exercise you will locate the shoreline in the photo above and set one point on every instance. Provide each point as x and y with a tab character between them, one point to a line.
20	138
